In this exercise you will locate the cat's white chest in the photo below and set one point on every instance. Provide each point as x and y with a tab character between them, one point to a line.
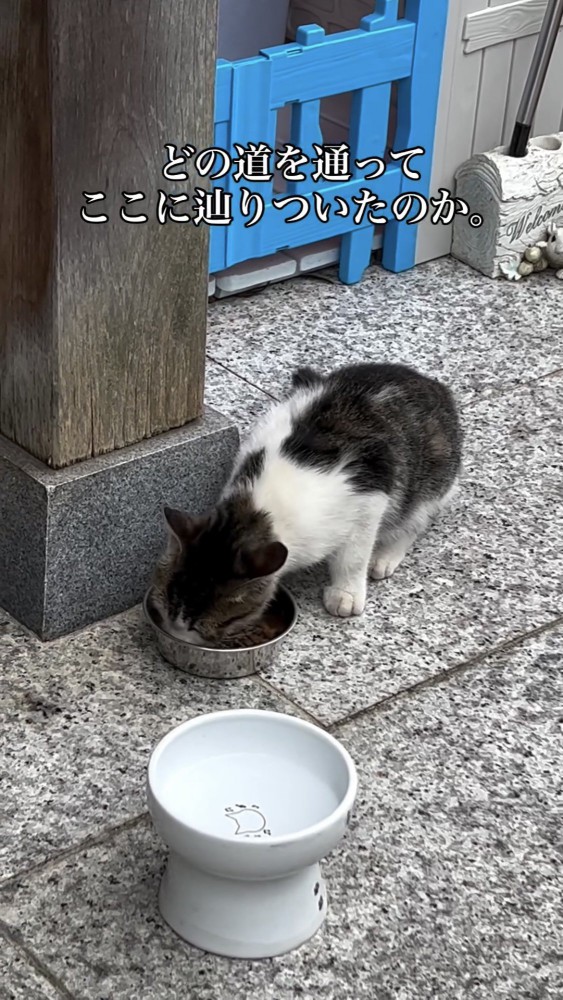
306	507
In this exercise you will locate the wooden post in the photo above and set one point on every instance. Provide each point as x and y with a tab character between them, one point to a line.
102	326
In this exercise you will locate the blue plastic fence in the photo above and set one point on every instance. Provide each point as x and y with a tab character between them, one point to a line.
367	61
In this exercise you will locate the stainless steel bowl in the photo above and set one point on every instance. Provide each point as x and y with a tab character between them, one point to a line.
222	664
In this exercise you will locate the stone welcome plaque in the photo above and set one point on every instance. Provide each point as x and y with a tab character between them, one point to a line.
517	198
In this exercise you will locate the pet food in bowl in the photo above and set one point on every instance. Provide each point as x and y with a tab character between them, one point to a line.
257	650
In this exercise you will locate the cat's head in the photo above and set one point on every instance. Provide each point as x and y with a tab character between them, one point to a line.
218	573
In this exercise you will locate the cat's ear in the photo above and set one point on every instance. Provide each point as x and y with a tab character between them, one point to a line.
264	561
306	378
183	529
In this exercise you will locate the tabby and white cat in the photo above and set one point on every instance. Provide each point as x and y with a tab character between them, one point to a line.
351	468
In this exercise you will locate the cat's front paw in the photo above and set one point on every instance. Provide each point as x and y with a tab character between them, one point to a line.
343	603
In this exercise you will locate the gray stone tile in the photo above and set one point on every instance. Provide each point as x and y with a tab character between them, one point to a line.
488	570
458	833
19	980
442	317
82	715
448	884
12	631
233	396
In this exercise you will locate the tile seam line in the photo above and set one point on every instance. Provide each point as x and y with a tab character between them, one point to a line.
242	378
473	401
269	686
496	393
15	937
105	835
444	675
92	840
45	643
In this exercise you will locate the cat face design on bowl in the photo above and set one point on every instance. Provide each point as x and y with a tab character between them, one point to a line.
249	820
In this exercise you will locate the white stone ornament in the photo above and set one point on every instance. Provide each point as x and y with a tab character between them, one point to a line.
525	268
541	265
510	269
533	254
518	199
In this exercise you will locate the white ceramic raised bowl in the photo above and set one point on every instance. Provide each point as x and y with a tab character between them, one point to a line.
248	803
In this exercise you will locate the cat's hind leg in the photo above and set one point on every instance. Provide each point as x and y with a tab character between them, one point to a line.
394	542
389	552
348	565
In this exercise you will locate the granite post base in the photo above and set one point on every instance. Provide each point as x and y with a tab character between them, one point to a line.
79	544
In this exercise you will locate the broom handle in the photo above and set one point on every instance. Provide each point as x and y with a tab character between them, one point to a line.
536	77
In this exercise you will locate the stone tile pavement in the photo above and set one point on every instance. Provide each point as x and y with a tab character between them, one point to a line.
448	693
